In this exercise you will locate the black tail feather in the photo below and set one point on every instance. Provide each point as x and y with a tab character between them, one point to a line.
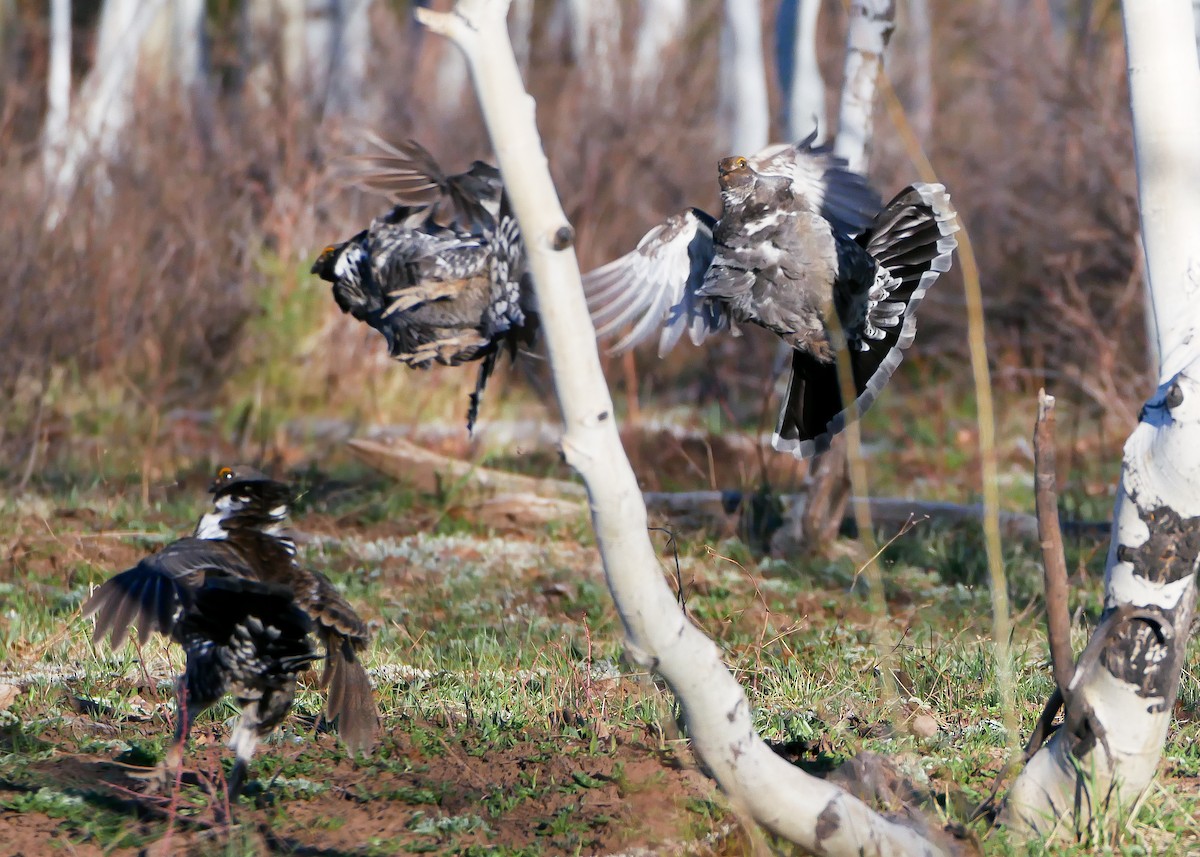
911	241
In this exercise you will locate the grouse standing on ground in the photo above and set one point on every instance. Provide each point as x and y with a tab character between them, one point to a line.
802	249
234	596
442	279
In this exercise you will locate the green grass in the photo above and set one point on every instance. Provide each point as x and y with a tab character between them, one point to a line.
512	723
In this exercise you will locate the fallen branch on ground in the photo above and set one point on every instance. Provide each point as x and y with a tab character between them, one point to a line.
473	485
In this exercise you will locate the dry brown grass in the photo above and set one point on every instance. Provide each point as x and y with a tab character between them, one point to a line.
153	289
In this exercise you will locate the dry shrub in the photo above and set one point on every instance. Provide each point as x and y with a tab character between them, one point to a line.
155	283
1033	137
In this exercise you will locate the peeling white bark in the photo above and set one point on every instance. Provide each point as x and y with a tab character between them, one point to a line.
799	74
806	810
744	108
871	25
1161	471
1152	559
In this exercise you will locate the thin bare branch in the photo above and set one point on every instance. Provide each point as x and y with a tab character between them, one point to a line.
1054	560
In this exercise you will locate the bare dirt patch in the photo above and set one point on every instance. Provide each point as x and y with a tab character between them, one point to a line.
424	790
443	780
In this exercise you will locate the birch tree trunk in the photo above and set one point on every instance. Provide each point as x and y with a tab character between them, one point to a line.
58	90
871	25
520	29
321	47
1196	22
174	54
799	73
1124	687
105	102
174	62
595	30
811	812
916	50
347	95
308	38
831	479
663	24
744	107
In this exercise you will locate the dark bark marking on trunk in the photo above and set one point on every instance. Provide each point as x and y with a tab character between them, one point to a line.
1170	553
1138	651
828	822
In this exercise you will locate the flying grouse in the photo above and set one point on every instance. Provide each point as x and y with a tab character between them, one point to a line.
442	275
803	249
244	610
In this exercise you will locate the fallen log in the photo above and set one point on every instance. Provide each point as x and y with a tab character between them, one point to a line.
435	473
515	500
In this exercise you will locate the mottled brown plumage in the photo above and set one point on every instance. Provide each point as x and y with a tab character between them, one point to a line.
442	275
803	249
235	597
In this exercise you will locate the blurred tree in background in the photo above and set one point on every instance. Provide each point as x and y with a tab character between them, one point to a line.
143	243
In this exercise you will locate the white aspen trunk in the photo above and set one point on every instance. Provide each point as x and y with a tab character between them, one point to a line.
744	107
310	47
175	61
520	28
173	50
663	24
105	101
348	88
1196	22
799	73
308	40
871	25
596	42
321	46
1131	687
811	812
107	94
58	90
1163	78
916	51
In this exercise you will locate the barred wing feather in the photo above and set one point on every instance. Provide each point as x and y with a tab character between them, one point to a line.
654	287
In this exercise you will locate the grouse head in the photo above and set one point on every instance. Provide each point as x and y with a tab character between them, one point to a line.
735	173
326	263
482	184
245	499
346	266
